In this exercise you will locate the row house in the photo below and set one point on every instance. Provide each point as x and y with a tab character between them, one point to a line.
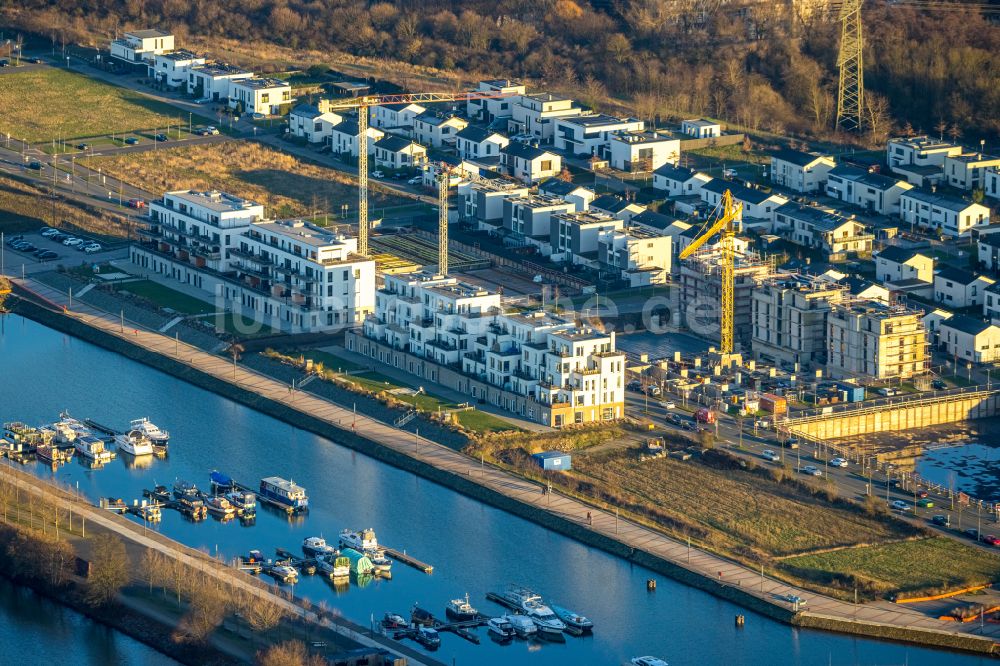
437	130
529	218
957	288
758	205
481	202
894	264
307	121
616	206
397	152
578	195
946	214
970	339
344	137
823	229
475	142
679	181
871	191
800	171
396	118
529	164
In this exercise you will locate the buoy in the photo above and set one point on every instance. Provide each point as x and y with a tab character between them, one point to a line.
651	585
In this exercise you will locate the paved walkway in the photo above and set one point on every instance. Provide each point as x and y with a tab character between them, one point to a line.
603	522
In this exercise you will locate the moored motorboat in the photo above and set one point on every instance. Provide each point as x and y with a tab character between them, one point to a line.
159	493
334	566
461	609
220	506
150	431
501	628
523	626
363	540
575	623
134	443
284	494
283	572
531	605
428	637
421	616
647	661
91	448
221	483
394	621
185	489
383	565
245	502
115	504
317	546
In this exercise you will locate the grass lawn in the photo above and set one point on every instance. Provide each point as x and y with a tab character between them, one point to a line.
24	207
287	185
331	361
166	297
44	104
908	566
478	421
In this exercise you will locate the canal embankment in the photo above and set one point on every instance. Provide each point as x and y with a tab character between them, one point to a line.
446	467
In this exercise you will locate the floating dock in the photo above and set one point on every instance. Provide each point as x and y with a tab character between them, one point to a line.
91	423
400	556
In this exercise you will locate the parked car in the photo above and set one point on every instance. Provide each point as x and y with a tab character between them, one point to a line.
131	141
47	231
58	237
211	130
378	174
416	180
839	462
792	443
83	146
794	599
674	419
991	540
900	505
92	248
653	389
925	503
634	385
887	392
770	454
161	137
942	520
922	493
812	470
72	241
257	116
972	534
34	61
136	203
729	173
35	164
669	404
25	247
938	385
4	63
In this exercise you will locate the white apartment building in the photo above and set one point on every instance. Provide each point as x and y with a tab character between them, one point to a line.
529	217
288	275
536	115
488	110
214	81
918	151
679	181
871	191
636	255
436	130
475	142
949	215
574	236
822	228
700	128
173	68
578	195
395	117
538	365
800	171
256	95
968	170
307	122
529	164
956	288
141	45
789	320
587	135
970	339
642	152
874	340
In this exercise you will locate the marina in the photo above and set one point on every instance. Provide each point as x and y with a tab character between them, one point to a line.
480	547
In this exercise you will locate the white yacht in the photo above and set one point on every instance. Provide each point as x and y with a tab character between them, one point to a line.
647	661
532	606
363	540
317	546
150	430
522	624
334	566
461	609
502	628
134	443
382	563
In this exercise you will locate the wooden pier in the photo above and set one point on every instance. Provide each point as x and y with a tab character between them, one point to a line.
91	423
400	556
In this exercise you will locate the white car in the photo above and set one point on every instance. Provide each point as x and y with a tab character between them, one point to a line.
812	470
48	231
669	404
729	173
416	180
900	505
770	454
839	462
378	174
72	242
91	249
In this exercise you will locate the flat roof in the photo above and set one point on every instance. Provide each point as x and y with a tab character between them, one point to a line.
598	120
262	84
301	231
220	202
180	54
220	69
148	33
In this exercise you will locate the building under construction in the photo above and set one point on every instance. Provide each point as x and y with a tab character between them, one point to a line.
871	339
700	293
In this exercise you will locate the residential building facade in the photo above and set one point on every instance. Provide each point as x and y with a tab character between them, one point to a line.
800	171
946	214
873	340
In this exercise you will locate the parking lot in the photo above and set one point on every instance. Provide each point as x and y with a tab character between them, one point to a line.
67	255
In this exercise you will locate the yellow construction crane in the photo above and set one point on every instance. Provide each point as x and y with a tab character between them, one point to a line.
725	227
362	104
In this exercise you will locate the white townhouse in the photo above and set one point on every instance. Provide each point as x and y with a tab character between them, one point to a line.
968	170
588	134
871	191
140	46
436	130
575	236
344	137
822	228
482	201
991	186
894	264
956	288
642	152
759	206
529	164
529	218
172	69
918	151
800	171
578	195
397	118
679	181
213	81
475	142
988	252
616	206
638	256
700	128
490	109
970	339
307	122
536	115
396	152
259	95
947	214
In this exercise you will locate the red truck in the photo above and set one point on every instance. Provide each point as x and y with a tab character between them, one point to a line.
704	415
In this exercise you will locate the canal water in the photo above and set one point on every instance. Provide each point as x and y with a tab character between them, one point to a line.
34	630
473	547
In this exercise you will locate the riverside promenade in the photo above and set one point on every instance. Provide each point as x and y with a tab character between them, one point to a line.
568	515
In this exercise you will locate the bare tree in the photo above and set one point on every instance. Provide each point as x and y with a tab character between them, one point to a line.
878	118
206	612
108	569
289	653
